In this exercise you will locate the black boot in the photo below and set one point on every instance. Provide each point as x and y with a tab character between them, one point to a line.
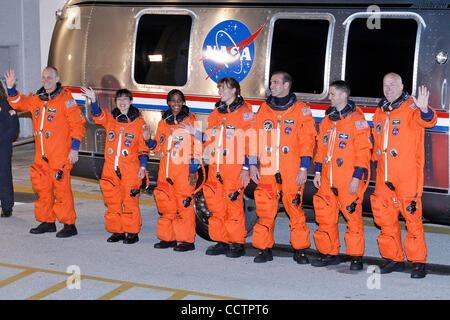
44	227
235	250
263	256
6	213
131	238
116	237
327	260
419	271
68	231
356	263
165	244
391	266
184	246
300	256
218	248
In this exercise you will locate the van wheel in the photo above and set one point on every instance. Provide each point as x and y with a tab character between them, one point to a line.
202	215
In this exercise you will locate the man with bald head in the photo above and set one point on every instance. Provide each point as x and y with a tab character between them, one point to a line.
58	130
399	128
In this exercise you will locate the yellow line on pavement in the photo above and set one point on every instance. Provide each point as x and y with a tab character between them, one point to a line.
48	291
23	189
19	276
152	202
116	292
179	294
85	179
82	195
440	230
429	229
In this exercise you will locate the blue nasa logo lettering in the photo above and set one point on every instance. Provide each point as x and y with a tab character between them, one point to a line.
228	50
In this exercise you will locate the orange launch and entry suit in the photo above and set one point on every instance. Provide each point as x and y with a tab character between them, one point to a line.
226	138
123	148
399	129
343	152
58	127
285	143
176	149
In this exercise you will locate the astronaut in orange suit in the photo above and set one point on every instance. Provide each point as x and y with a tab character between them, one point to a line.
226	137
126	156
58	128
285	140
342	157
176	176
399	129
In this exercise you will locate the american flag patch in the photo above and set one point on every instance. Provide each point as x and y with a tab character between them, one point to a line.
71	103
306	111
362	124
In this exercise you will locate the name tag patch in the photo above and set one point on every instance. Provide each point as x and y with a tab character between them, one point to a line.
343	136
178	138
289	121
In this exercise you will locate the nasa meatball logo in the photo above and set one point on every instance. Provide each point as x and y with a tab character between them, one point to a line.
229	50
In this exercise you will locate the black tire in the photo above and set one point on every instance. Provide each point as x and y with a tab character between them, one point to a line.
202	214
250	214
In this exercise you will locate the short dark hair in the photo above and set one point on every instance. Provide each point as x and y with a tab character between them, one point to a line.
286	77
232	83
342	86
174	92
123	93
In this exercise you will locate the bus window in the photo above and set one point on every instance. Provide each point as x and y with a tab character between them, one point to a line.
372	53
100	140
161	50
299	47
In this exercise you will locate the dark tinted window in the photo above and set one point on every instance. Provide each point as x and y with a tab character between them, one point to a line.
299	48
372	53
162	48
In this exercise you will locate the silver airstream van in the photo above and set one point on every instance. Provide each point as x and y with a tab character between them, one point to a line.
151	47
